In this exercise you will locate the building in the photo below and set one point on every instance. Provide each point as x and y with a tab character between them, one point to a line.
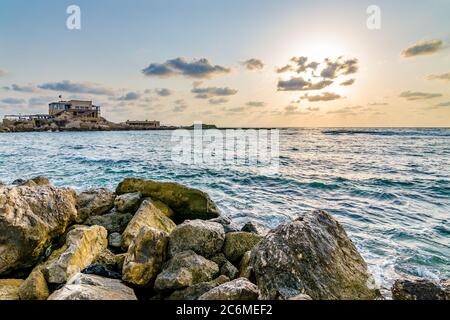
144	124
77	108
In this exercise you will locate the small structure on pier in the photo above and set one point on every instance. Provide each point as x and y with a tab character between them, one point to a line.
76	108
144	124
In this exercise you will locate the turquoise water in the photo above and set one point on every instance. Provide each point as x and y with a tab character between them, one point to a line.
389	187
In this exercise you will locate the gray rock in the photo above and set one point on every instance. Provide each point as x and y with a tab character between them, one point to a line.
128	202
195	291
238	243
245	268
114	222
311	255
203	237
257	228
227	223
219	259
115	240
301	297
239	289
184	270
94	202
93	287
417	289
229	270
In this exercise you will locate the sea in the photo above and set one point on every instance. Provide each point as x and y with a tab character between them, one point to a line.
390	188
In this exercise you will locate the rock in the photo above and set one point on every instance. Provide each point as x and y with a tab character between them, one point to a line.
302	297
417	289
245	268
164	209
34	287
311	255
148	215
184	270
115	240
203	237
107	258
446	286
9	289
229	270
102	271
145	257
227	223
18	182
128	202
94	202
187	203
239	289
113	222
195	291
41	181
219	259
238	243
83	245
30	218
92	287
256	228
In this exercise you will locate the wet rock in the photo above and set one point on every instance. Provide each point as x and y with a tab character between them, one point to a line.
94	202
41	181
145	257
184	270
114	222
18	182
9	289
195	291
203	237
256	228
128	202
417	289
93	287
239	289
148	215
229	270
311	255
30	218
227	223
34	287
115	240
83	245
186	203
238	243
102	271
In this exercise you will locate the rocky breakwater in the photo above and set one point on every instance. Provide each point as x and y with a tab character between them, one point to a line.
158	240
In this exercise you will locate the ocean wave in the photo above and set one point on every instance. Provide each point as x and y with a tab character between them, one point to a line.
437	133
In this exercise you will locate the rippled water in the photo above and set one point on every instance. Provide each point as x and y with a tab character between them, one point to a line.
389	187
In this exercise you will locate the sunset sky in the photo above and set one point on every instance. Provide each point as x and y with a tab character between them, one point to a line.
277	63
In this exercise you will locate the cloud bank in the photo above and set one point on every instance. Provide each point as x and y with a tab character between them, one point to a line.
197	68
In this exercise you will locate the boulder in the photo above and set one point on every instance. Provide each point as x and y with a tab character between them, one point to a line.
34	287
164	209
301	297
195	291
9	289
187	203
30	218
148	215
128	202
145	257
256	228
111	260
203	237
184	270
417	289
239	289
115	240
93	287
229	270
219	259
113	221
41	181
311	255
238	243
227	223
446	286
83	245
94	202
245	268
102	270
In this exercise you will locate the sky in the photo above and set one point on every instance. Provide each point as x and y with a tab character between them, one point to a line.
252	63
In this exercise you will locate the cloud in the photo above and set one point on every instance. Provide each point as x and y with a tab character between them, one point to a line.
218	101
313	109
130	96
180	106
253	64
411	96
74	87
443	76
210	92
3	73
163	92
443	104
339	67
300	84
12	101
326	96
348	82
197	68
27	88
346	110
423	48
40	101
255	104
299	65
293	110
376	104
235	110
